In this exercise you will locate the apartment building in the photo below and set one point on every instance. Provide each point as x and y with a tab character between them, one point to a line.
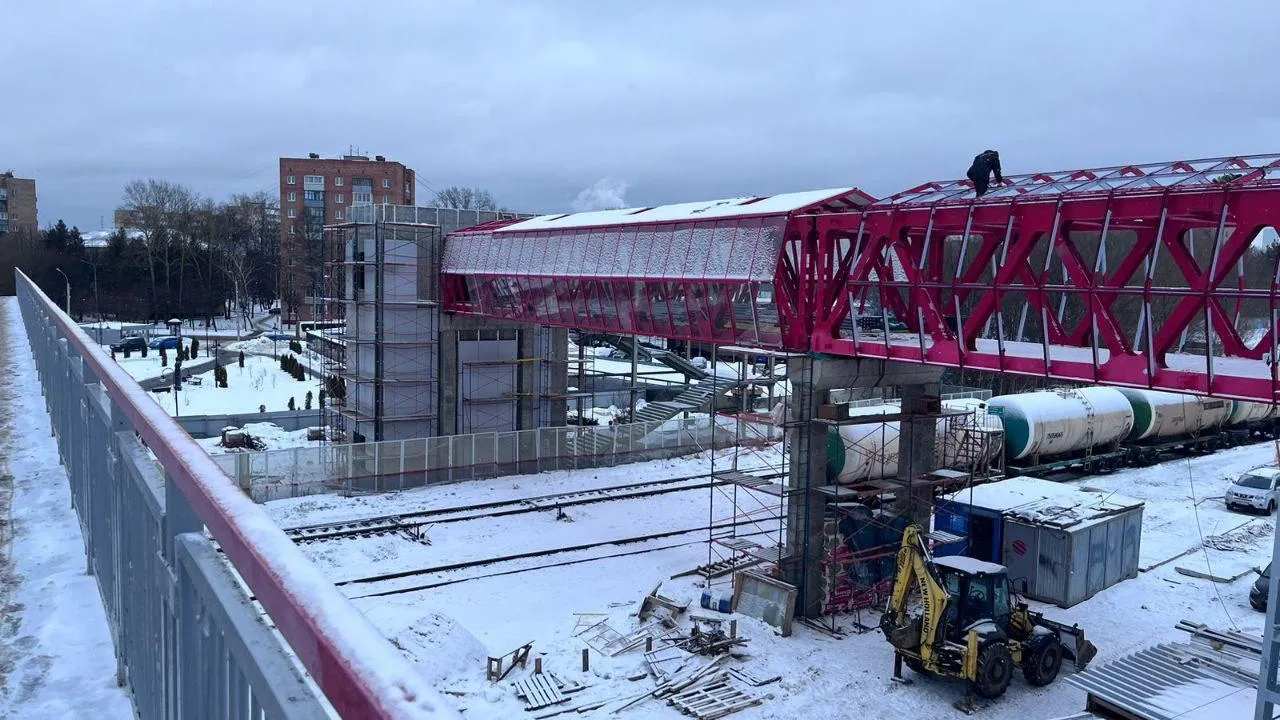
17	204
315	192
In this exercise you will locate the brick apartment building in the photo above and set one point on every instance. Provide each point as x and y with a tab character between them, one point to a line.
315	192
17	204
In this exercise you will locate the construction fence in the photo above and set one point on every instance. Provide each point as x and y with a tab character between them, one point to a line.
395	465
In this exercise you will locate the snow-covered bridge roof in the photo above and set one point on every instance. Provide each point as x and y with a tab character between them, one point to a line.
735	239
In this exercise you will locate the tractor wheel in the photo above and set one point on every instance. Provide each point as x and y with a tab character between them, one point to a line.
1042	661
995	670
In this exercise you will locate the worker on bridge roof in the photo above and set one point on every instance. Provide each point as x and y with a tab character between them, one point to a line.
980	171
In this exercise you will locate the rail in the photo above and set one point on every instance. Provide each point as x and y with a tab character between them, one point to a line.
189	642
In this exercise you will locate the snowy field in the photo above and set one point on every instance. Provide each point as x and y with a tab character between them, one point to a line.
473	612
260	382
56	658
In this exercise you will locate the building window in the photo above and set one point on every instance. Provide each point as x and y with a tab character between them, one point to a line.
386	183
340	198
337	215
291	180
406	189
293	196
386	200
293	213
313	195
293	229
338	181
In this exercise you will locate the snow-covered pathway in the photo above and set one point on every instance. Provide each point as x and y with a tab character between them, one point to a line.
56	658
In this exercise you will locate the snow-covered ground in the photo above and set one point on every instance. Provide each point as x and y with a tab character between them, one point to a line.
56	658
493	609
272	436
260	382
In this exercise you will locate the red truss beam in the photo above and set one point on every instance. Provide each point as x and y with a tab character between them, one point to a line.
1050	282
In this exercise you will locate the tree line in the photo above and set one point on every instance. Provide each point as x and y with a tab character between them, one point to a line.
182	255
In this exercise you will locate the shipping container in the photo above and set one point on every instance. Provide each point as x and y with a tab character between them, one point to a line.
1067	550
977	514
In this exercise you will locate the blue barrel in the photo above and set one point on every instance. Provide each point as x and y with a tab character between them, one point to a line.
718	600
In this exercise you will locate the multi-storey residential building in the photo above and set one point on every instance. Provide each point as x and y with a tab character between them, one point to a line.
17	204
315	192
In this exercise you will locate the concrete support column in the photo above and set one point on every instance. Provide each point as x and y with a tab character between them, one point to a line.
558	365
528	394
917	441
447	380
812	379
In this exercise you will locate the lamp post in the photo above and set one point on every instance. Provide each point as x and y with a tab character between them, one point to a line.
64	277
97	301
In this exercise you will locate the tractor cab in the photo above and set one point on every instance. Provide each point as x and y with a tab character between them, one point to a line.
979	592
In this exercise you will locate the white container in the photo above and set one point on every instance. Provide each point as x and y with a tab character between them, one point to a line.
1243	411
1159	414
1052	423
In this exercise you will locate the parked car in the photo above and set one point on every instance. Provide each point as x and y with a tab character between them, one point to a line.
133	343
170	342
273	311
1261	586
1255	490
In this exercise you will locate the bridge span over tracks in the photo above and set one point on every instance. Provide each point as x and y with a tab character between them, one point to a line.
1149	275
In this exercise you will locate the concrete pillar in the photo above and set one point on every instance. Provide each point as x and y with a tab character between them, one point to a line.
528	394
557	366
918	436
812	379
447	380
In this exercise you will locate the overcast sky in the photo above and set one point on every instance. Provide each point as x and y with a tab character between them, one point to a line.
654	101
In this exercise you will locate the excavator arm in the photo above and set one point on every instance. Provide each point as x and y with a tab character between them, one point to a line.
915	571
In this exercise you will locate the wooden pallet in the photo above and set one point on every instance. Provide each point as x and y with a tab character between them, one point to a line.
539	691
714	700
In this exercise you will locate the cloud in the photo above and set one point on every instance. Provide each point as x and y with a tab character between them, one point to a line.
605	194
536	100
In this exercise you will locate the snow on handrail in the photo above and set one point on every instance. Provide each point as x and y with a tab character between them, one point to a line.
359	671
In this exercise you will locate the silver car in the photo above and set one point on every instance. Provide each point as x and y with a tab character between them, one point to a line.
1256	489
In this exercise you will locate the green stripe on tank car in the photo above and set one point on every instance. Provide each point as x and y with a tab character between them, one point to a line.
1143	415
835	454
1017	431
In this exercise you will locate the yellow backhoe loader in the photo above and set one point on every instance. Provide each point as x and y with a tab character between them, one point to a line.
970	626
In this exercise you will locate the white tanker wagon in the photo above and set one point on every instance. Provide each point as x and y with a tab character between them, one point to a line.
869	451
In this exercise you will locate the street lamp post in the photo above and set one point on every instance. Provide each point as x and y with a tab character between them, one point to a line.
64	277
97	300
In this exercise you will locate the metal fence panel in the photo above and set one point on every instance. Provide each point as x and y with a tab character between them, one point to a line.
189	642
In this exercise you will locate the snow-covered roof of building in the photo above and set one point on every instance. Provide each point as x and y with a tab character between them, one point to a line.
832	199
101	238
1045	503
1011	493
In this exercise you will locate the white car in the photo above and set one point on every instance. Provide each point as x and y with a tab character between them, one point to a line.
1255	490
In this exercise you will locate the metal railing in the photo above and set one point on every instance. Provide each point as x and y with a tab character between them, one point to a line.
394	465
189	641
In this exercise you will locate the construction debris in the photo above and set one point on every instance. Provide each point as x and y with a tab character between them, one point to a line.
498	669
709	638
539	691
653	602
744	675
715	700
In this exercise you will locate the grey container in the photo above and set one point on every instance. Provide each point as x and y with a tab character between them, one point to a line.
1069	558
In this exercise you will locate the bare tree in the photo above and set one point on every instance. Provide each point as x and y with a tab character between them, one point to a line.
159	209
465	198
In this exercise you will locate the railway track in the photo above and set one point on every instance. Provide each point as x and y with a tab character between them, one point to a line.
411	524
533	554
